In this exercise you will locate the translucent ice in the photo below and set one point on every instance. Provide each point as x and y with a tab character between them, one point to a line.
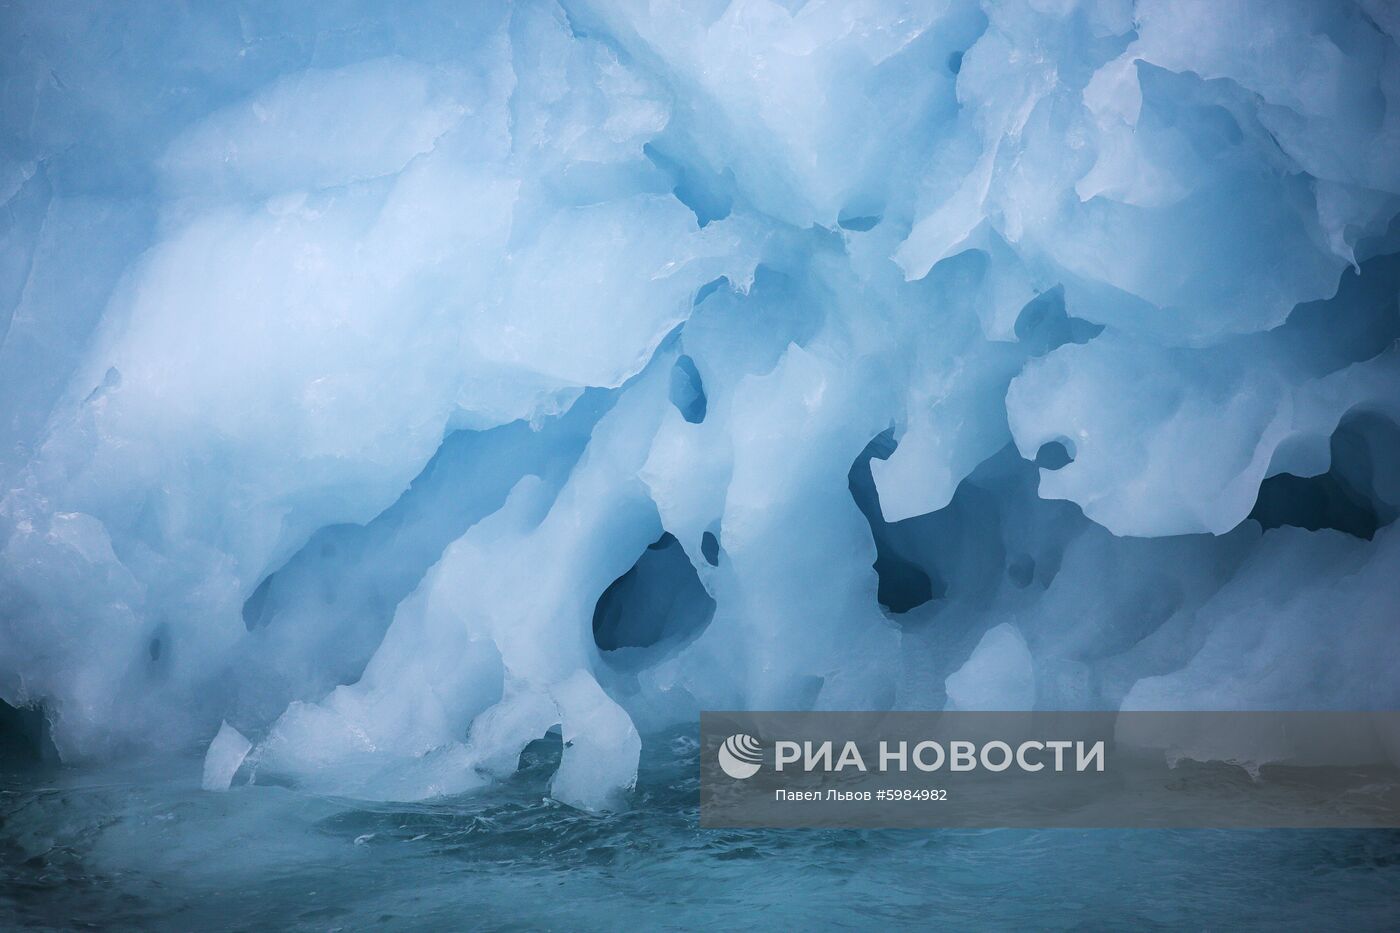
225	755
394	385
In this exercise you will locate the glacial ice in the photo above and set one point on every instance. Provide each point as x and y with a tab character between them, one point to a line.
226	754
395	384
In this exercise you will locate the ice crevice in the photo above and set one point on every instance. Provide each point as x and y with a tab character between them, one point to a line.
413	383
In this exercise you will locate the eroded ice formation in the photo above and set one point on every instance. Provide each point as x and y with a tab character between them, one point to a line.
394	385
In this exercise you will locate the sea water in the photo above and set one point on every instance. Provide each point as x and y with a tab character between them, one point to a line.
145	848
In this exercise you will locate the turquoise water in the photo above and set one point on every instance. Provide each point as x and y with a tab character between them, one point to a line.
146	849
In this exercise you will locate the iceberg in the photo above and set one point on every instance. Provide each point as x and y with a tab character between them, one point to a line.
395	385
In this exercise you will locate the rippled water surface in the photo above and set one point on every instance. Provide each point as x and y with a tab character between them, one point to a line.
146	849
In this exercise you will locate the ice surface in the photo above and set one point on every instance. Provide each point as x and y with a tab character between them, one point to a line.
225	756
1000	674
395	385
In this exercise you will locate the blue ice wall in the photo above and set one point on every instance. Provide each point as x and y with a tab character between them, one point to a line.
383	385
